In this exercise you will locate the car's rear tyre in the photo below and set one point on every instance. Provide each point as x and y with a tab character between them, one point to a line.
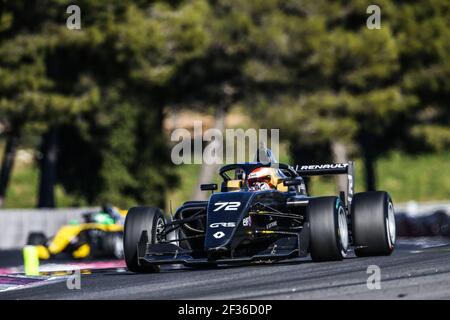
328	229
36	239
373	223
140	219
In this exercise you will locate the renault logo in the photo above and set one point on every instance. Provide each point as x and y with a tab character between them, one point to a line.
218	235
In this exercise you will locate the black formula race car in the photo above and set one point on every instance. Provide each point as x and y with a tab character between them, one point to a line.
245	223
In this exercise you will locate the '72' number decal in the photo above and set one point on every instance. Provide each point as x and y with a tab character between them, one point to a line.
229	206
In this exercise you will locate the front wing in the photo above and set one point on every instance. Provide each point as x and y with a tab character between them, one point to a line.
167	253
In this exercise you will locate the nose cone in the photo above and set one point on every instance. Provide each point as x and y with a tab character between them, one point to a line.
224	216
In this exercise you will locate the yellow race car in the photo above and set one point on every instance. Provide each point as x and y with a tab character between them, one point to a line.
99	235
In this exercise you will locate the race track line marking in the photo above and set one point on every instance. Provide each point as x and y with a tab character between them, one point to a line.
14	279
69	266
15	282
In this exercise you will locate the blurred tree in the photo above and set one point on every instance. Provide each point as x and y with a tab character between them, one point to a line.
214	80
350	86
423	33
103	86
310	68
29	102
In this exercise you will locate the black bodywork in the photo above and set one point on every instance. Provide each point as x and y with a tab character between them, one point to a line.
241	226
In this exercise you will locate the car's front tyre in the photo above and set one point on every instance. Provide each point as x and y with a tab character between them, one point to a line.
140	219
36	239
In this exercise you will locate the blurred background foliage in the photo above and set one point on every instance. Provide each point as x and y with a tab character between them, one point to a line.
89	105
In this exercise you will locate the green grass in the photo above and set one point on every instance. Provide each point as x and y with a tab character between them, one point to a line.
405	177
23	189
188	181
421	178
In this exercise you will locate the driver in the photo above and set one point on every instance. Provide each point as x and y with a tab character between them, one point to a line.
263	179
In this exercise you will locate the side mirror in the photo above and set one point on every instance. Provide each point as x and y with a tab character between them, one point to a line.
209	187
293	182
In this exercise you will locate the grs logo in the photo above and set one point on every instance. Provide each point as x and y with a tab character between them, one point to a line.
223	224
229	206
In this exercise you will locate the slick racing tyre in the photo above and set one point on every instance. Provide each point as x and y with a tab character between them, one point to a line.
373	221
36	239
113	244
140	219
328	229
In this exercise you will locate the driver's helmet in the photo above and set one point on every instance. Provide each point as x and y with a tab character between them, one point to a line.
113	212
263	179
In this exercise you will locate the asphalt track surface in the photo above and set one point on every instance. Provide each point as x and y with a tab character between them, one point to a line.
418	269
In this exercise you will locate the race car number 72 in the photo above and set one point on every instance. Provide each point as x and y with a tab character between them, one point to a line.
229	206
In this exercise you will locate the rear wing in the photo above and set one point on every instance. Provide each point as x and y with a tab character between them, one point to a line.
331	169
